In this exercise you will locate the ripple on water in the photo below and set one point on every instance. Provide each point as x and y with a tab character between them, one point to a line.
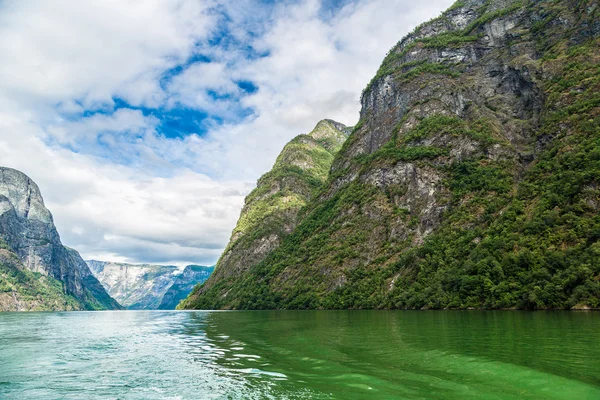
291	355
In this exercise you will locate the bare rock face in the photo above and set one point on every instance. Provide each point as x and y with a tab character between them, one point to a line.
24	195
26	226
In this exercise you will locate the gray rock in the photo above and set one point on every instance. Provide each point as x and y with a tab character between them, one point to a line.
27	227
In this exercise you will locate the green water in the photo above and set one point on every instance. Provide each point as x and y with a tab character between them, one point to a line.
300	355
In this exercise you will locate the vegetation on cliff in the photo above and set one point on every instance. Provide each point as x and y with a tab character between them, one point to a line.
271	210
471	181
24	290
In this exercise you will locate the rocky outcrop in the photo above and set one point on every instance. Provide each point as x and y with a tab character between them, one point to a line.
191	276
271	210
28	231
469	181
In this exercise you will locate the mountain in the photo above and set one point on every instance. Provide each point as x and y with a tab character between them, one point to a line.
37	271
472	179
144	286
271	210
25	290
135	287
183	284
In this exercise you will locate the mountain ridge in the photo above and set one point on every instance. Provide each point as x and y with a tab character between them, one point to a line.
470	181
271	210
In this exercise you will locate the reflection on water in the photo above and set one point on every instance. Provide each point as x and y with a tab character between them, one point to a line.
299	355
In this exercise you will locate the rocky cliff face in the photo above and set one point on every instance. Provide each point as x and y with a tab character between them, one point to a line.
471	180
24	290
191	276
271	210
29	236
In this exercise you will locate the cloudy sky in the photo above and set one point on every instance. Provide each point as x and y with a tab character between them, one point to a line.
145	123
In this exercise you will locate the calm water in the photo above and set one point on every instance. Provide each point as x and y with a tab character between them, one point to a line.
299	355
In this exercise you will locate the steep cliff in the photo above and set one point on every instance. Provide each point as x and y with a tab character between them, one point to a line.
471	180
183	284
271	210
24	290
34	258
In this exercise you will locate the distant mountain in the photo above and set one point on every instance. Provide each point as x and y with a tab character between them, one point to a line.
143	286
183	285
36	271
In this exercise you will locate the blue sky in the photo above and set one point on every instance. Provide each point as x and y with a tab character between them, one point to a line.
145	123
176	119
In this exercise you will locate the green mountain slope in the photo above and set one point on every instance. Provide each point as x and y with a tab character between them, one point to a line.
471	180
271	210
24	290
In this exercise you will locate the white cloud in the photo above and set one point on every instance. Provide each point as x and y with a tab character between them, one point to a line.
64	49
315	69
190	89
118	189
121	212
122	121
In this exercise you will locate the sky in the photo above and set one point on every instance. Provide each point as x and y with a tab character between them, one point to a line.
145	123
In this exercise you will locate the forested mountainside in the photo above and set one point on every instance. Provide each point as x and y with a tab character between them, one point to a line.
271	210
147	286
36	271
471	181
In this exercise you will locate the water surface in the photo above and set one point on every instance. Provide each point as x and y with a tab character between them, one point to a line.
300	355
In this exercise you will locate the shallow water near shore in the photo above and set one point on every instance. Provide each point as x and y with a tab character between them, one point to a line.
300	354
